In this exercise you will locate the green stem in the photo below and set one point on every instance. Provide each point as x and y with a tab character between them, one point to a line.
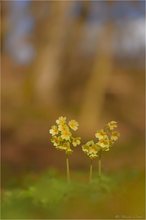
67	169
91	171
99	164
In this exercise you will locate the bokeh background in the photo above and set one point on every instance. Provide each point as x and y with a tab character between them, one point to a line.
84	60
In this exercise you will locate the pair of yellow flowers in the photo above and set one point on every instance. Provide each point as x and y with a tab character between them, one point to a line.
63	139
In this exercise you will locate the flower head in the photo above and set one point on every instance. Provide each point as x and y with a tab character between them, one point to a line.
73	125
104	144
53	130
107	137
111	125
60	147
101	134
62	137
76	141
91	149
56	141
65	134
115	135
61	120
61	127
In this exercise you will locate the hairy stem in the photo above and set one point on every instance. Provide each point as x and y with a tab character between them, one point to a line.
99	164
67	169
91	171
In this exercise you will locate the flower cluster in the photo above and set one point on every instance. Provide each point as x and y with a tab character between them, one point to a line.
62	137
91	149
106	138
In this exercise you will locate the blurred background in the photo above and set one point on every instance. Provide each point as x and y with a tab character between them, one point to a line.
80	59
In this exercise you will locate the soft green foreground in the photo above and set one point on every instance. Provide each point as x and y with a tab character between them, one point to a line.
119	195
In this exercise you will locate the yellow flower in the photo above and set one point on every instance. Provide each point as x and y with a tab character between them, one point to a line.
101	134
61	135
85	148
91	149
61	120
90	143
61	147
76	141
73	125
53	130
65	133
104	144
61	127
111	125
55	140
115	135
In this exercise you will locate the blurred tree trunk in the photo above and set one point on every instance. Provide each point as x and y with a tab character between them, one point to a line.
70	84
71	57
92	107
47	64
